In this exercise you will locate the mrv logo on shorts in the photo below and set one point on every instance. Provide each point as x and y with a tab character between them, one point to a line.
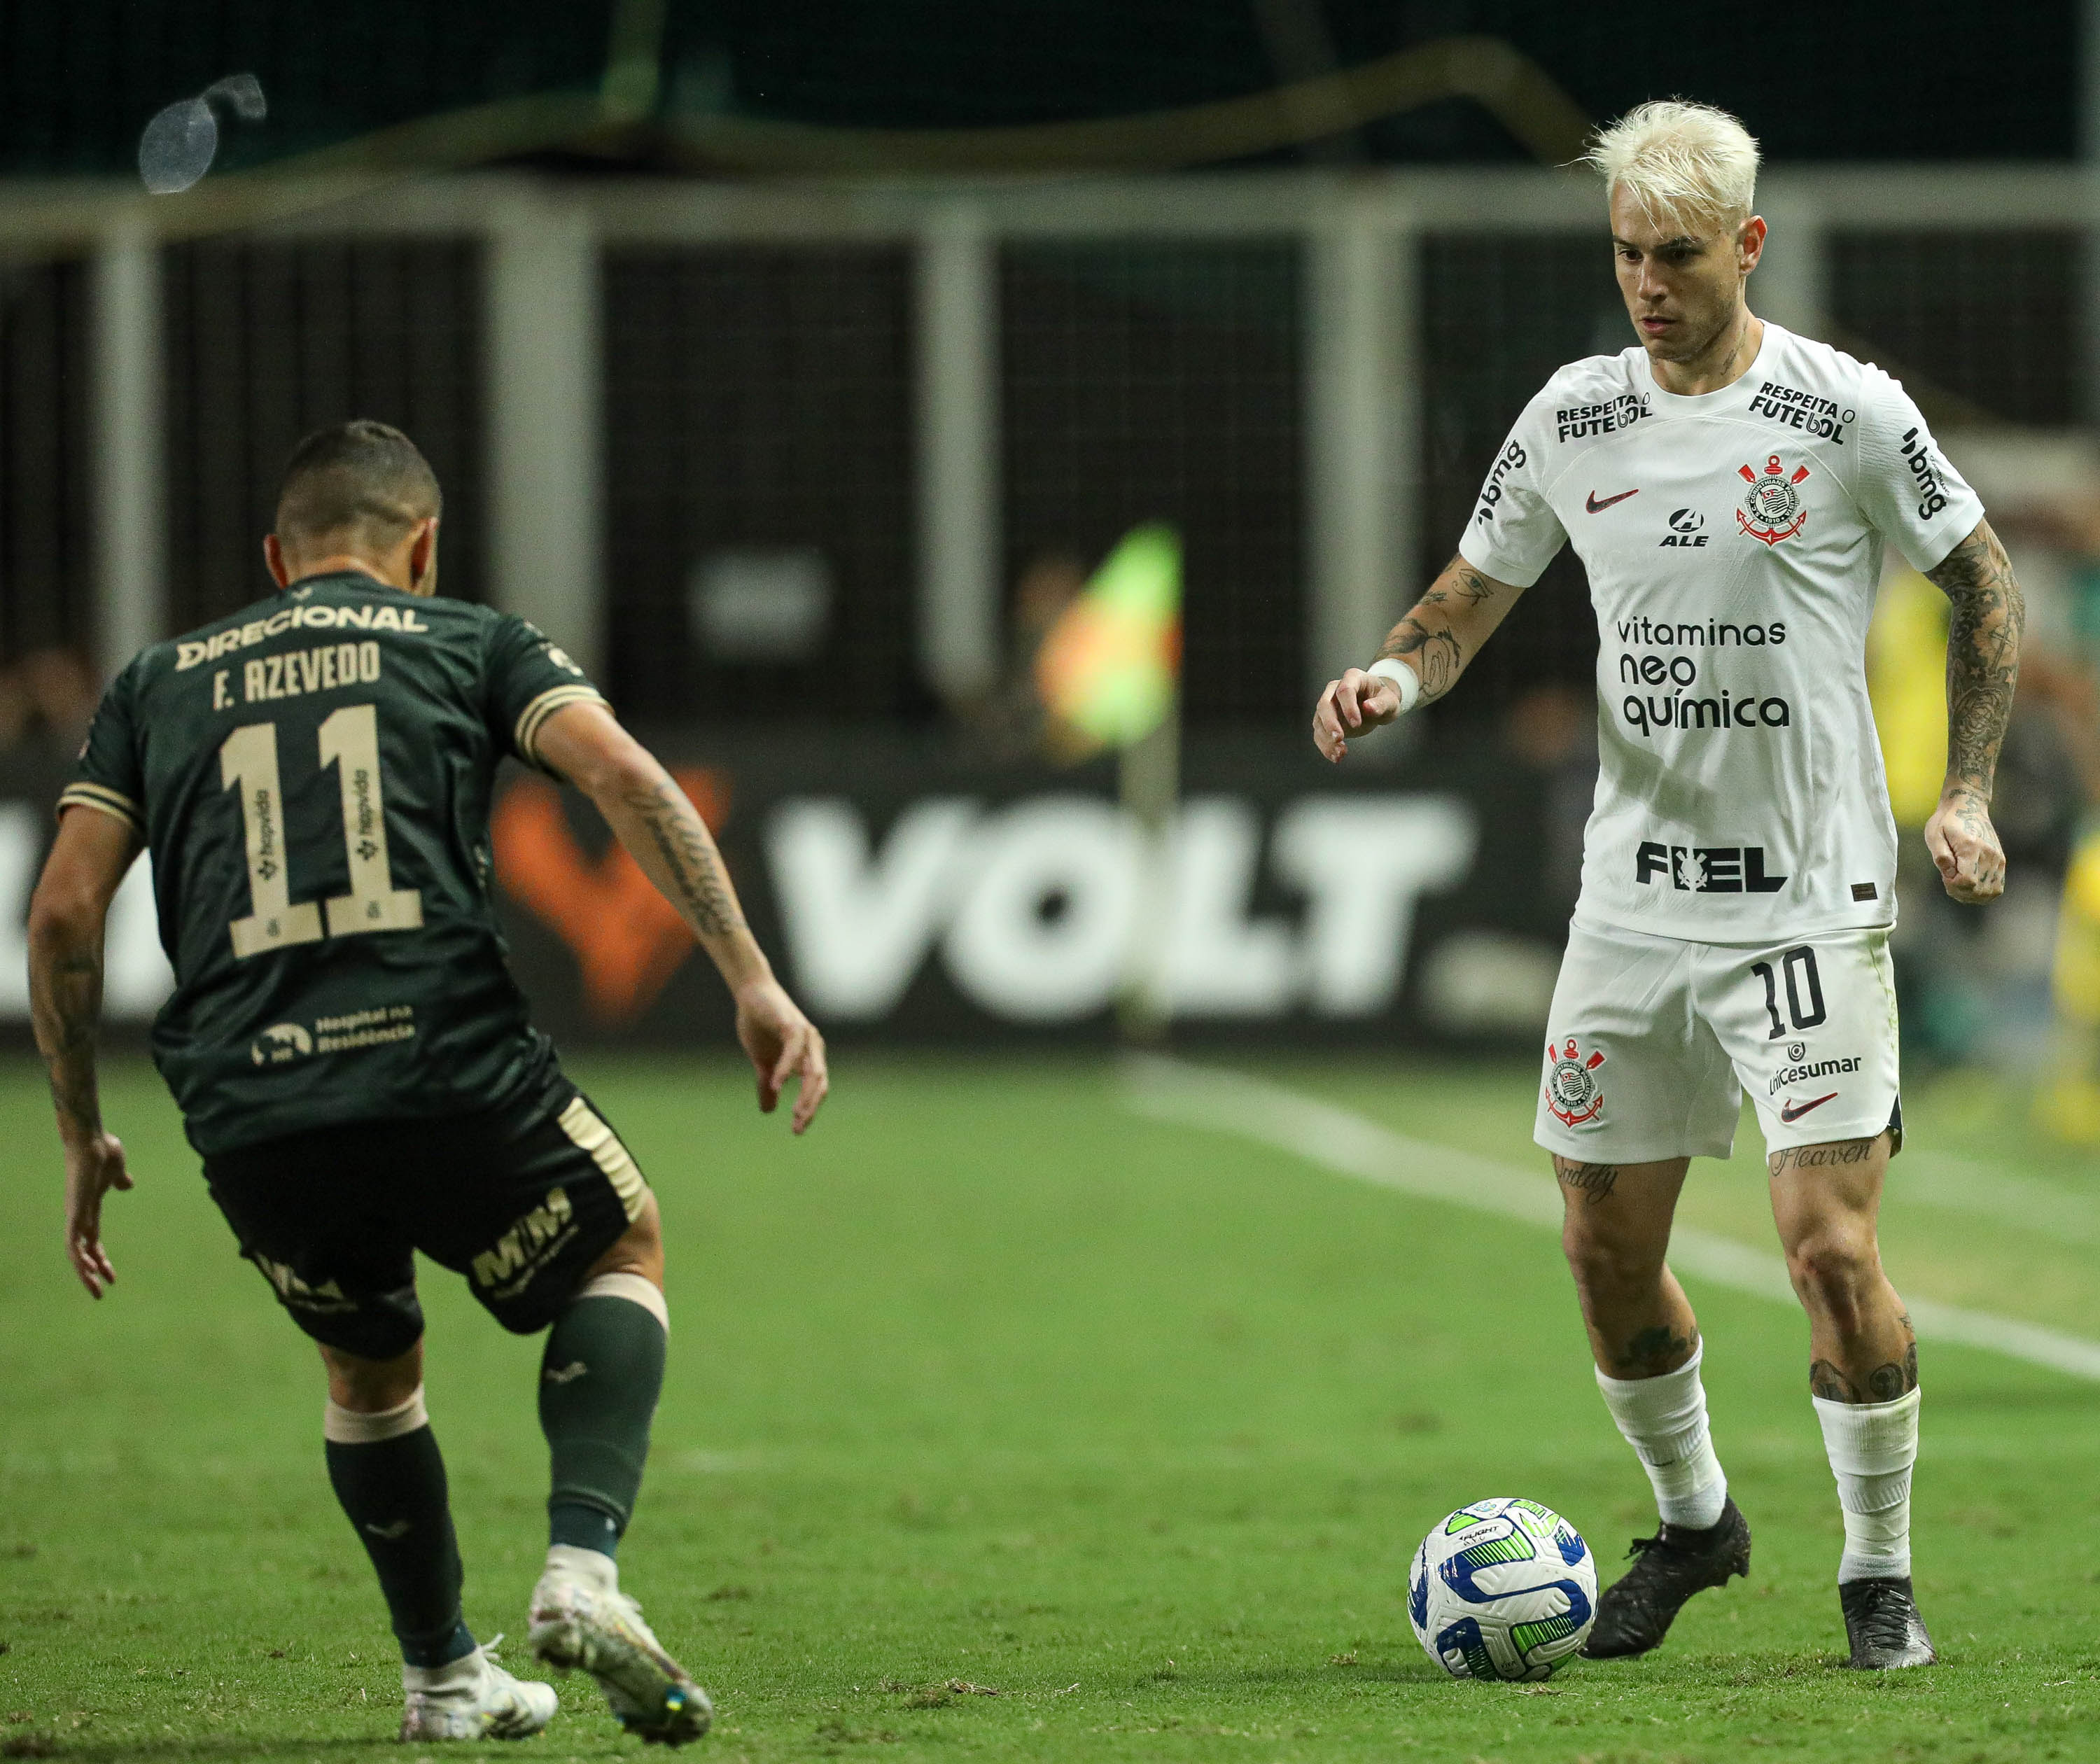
1706	869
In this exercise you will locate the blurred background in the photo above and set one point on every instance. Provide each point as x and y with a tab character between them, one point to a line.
797	368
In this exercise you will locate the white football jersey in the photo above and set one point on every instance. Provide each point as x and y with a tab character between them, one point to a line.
1733	542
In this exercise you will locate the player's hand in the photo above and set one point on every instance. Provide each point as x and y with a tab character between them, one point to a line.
94	1167
782	1044
1353	705
1965	845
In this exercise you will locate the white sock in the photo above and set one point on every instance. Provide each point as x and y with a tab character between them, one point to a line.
1665	1421
593	1567
1872	1448
462	1674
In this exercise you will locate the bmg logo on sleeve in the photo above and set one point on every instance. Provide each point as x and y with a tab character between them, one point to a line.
1491	492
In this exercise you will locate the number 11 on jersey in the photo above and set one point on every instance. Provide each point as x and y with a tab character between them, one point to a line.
350	742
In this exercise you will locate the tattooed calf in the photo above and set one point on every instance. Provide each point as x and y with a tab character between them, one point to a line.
1653	1351
1884	1383
1826	1382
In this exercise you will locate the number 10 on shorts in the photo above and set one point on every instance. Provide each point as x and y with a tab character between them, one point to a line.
1803	984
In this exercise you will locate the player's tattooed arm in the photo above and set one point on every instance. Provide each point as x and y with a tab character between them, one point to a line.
1983	668
68	916
698	886
1448	625
658	824
68	1014
1983	656
1444	631
1438	656
662	831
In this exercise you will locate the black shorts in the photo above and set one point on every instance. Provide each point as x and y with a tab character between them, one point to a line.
523	1200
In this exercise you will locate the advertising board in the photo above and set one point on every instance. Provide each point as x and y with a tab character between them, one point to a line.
909	894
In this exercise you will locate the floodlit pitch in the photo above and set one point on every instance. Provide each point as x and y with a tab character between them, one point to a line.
1007	1421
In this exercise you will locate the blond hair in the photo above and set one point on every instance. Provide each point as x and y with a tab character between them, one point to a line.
1680	162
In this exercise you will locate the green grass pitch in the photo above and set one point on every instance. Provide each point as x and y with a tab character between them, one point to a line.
1004	1423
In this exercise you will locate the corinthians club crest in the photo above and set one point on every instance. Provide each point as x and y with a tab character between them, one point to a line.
1571	1083
1771	508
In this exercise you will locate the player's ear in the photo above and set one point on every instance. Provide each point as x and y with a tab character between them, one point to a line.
273	555
423	557
1750	242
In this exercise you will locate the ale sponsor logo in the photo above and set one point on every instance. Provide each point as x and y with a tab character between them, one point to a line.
1684	529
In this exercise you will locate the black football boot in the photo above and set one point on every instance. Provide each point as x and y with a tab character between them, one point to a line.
1634	1613
1882	1625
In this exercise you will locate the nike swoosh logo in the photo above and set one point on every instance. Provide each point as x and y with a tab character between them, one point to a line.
575	1369
1595	507
399	1529
1791	1111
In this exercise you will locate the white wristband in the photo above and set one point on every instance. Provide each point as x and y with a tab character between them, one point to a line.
1405	677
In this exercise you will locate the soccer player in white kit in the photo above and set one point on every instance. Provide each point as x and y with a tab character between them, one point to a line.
1730	489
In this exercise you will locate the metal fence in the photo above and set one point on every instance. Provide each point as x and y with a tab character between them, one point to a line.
904	396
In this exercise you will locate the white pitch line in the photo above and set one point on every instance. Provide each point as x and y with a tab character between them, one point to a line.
1348	1144
1956	1184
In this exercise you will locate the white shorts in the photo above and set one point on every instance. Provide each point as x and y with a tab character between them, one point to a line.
1654	1040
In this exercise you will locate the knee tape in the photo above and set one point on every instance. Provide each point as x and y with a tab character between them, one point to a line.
352	1427
635	1289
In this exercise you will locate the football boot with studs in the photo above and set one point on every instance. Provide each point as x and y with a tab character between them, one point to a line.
1882	1625
581	1620
1635	1611
473	1698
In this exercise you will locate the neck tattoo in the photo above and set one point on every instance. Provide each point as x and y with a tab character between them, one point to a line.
1742	337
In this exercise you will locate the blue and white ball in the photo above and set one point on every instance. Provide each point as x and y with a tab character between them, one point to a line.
1502	1589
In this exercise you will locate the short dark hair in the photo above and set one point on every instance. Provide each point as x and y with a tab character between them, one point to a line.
364	480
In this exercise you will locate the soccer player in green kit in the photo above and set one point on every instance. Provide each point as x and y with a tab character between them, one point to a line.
353	1061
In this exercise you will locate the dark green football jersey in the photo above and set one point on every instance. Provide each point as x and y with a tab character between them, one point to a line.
312	777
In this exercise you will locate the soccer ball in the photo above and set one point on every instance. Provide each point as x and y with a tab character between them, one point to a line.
1502	1589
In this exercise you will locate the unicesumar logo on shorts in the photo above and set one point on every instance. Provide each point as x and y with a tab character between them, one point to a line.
1572	1091
1771	508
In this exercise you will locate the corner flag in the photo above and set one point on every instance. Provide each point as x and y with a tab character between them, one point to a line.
1109	667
